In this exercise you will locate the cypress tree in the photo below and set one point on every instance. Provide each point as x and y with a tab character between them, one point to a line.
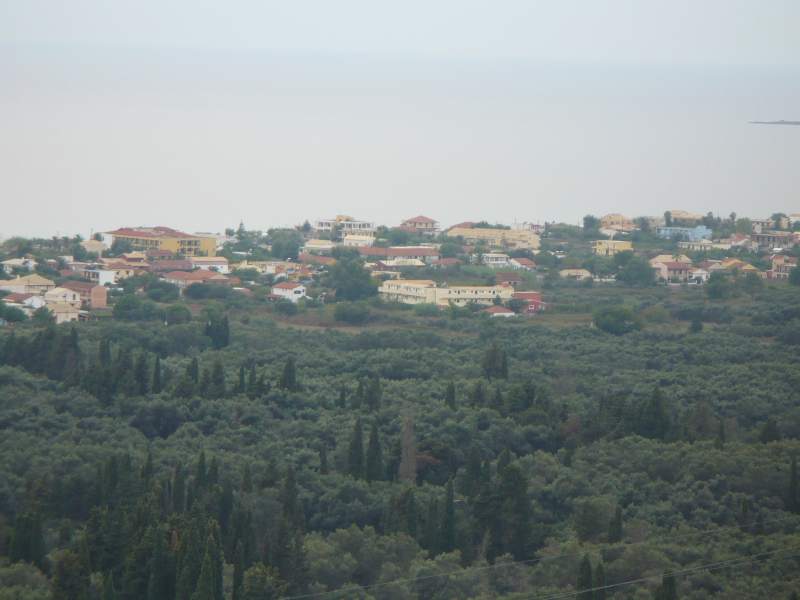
201	473
516	513
323	460
288	379
217	380
407	470
497	400
238	572
358	397
430	533
599	583
585	581
770	432
615	527
374	394
341	402
213	472
355	455
252	383
104	352
27	540
793	503
374	467
156	387
178	490
70	582
450	396
141	374
472	475
161	579
292	511
108	587
205	589
247	479
241	385
448	538
193	370
478	395
668	590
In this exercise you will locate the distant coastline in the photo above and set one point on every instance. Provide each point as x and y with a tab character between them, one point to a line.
775	122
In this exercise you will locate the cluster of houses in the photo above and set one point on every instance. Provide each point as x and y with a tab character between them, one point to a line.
69	301
185	259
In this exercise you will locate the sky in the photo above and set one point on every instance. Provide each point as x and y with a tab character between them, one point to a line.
198	114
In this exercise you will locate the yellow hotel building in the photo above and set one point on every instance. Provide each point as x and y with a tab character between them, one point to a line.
164	238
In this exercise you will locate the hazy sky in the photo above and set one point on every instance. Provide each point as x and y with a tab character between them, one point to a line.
195	114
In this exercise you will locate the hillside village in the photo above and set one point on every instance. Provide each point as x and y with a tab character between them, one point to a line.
497	270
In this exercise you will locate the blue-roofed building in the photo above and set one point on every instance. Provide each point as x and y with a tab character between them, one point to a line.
690	234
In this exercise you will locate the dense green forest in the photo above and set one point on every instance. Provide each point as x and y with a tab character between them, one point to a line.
238	453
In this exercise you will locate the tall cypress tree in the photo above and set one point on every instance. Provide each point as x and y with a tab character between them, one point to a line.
355	454
238	572
156	386
288	379
323	460
178	490
585	581
374	467
450	396
341	401
615	527
794	501
448	537
252	382
241	384
193	370
358	397
205	589
600	583
407	470
141	374
217	380
668	590
292	511
374	394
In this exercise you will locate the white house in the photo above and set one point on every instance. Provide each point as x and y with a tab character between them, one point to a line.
210	263
26	264
62	295
358	240
289	290
100	276
495	260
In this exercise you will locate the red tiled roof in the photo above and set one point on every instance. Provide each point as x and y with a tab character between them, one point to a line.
16	297
505	276
171	265
497	310
82	287
419	219
150	232
525	262
398	251
314	259
286	285
530	296
448	262
200	275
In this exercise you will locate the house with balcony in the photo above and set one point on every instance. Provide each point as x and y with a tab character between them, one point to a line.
420	225
288	290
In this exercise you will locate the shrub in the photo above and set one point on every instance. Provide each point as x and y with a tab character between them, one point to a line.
616	320
354	313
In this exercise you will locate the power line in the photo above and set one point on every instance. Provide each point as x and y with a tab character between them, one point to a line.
531	561
707	567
